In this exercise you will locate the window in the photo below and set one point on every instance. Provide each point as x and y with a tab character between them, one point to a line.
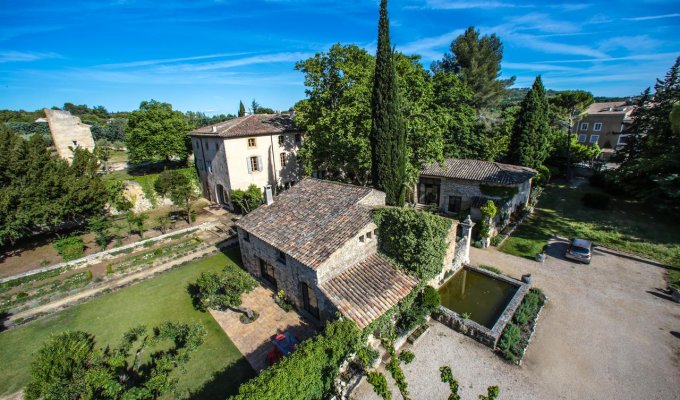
375	232
254	164
281	139
584	126
246	236
75	143
362	239
623	139
281	257
298	138
594	138
267	272
454	204
282	158
309	301
205	145
369	235
251	143
597	126
217	146
582	138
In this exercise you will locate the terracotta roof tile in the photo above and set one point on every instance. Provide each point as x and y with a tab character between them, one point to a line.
368	289
250	125
311	220
478	170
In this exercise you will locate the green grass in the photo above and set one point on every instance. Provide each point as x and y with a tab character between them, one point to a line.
627	226
215	370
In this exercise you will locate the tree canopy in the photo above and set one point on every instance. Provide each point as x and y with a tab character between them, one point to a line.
221	291
651	158
157	133
477	61
39	191
69	366
388	136
529	144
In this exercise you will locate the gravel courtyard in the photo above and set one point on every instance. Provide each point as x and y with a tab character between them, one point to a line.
608	331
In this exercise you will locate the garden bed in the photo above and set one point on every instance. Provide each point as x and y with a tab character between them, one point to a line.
518	333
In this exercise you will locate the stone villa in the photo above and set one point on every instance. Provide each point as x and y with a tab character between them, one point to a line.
318	243
456	186
255	150
606	124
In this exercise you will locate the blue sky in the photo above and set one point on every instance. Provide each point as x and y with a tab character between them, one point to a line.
207	55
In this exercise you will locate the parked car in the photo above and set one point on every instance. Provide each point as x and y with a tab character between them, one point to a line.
580	250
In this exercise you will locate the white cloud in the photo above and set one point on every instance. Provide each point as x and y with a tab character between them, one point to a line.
430	48
630	43
651	17
539	67
25	56
142	63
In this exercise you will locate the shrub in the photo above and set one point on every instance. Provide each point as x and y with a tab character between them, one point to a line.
309	372
379	383
416	240
21	295
367	356
509	345
397	374
70	248
496	240
596	200
489	211
406	356
246	201
430	299
89	275
543	176
109	269
411	317
529	307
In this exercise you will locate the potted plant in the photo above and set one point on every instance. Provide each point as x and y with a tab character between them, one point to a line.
540	257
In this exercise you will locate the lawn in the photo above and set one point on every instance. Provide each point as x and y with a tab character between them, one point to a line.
216	369
626	225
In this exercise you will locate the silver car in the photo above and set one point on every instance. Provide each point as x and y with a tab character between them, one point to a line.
580	250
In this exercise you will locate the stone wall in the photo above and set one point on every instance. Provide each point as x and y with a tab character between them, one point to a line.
289	276
453	187
350	253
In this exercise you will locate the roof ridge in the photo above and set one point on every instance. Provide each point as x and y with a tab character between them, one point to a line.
238	123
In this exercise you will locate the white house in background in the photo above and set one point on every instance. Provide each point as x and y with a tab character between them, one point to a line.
255	150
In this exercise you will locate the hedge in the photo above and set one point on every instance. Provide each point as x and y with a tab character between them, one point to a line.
309	372
416	240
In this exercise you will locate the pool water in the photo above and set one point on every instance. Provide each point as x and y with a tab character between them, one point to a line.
483	297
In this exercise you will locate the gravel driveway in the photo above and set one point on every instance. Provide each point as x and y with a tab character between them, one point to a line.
608	331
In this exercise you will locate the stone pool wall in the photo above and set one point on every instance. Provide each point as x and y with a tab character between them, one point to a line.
480	333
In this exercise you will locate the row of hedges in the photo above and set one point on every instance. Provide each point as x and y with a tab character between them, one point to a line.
415	240
309	372
517	333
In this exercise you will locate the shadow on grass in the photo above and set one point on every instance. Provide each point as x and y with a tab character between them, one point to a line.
224	383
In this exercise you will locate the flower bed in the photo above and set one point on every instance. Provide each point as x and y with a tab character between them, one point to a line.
147	258
44	292
517	334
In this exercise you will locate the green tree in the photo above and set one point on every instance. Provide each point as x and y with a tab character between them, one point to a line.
241	109
254	107
651	166
246	201
388	135
567	108
178	187
221	291
529	144
156	133
477	61
69	366
452	99
100	225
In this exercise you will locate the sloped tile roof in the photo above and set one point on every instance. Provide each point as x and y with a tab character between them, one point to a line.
368	289
250	125
478	170
311	220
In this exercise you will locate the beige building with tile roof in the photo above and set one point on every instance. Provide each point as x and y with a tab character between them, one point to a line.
606	124
258	150
318	243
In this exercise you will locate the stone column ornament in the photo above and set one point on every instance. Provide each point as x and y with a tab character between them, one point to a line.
466	227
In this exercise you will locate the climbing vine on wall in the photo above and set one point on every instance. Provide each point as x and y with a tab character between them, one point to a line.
504	192
416	240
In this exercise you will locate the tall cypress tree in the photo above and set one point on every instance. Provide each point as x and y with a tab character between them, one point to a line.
388	136
529	144
241	109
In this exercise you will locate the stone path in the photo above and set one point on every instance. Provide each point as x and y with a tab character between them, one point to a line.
254	340
606	332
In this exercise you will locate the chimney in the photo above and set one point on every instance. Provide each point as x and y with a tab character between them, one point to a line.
268	196
213	129
292	114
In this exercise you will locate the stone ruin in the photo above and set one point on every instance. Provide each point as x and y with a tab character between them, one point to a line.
68	133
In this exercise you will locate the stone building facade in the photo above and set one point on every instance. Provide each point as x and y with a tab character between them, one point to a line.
255	150
456	187
318	243
68	133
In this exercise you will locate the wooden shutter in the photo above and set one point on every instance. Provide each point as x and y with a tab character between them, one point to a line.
259	163
250	170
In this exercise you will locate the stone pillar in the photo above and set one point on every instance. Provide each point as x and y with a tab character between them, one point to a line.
467	235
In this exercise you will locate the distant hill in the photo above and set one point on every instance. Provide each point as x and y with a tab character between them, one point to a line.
514	96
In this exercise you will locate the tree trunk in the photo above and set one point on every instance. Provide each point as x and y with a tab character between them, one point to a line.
247	311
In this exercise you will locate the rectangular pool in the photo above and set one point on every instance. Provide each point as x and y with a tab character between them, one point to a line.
481	296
